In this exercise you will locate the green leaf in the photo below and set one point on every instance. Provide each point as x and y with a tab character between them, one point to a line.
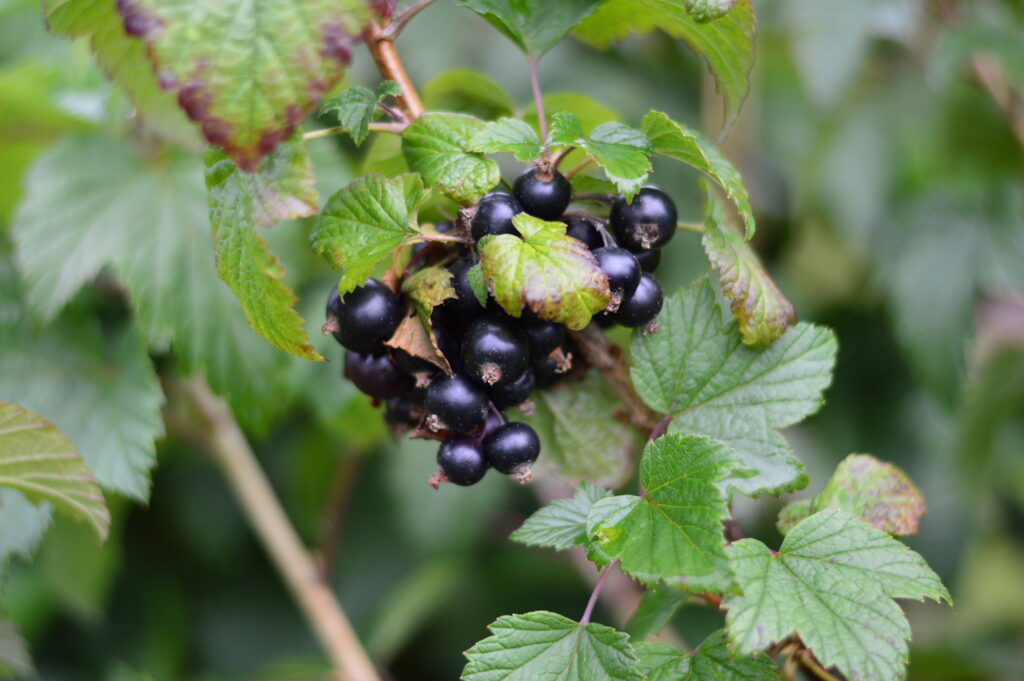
656	608
561	524
877	492
247	71
620	150
711	661
674	530
544	646
355	107
534	25
673	140
588	110
15	660
469	92
40	462
577	436
661	661
282	188
435	145
552	274
426	289
22	524
475	276
696	368
509	135
832	583
762	312
362	223
93	202
727	45
709	10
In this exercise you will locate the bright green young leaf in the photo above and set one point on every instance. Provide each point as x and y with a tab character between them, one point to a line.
561	524
552	274
247	71
762	312
727	45
588	110
534	25
673	140
544	646
436	144
282	188
655	610
475	276
578	438
875	491
509	135
40	462
362	223
93	202
14	656
832	583
621	151
674	530
697	368
355	107
469	92
712	661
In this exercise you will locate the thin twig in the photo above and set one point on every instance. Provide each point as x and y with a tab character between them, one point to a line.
392	30
806	660
390	66
333	516
557	161
271	525
694	227
538	102
597	591
393	128
576	169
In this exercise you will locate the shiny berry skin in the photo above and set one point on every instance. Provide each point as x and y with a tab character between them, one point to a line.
547	372
649	259
365	317
457	402
464	308
376	375
542	198
513	394
544	336
622	269
462	460
494	215
495	351
512	447
643	306
648	221
585	231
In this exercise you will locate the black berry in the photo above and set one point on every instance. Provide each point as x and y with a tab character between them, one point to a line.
363	319
513	394
545	196
455	403
494	215
495	351
376	375
512	447
410	364
549	371
464	308
402	412
585	231
643	306
648	221
462	460
544	336
622	269
649	259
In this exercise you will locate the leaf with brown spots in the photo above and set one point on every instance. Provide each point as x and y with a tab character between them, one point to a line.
247	71
426	289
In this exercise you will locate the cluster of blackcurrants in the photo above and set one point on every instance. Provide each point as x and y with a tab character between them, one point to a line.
497	360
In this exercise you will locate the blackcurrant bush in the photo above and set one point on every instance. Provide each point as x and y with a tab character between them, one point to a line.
585	231
549	371
402	412
543	195
363	319
513	394
376	375
495	351
512	447
622	269
462	460
455	403
648	221
544	336
643	306
494	214
464	308
649	259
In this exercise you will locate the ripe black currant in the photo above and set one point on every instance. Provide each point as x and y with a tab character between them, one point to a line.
622	269
494	214
363	319
513	394
376	375
544	336
464	308
410	364
649	259
511	448
462	460
585	231
455	403
543	195
495	351
648	221
402	413
549	371
643	306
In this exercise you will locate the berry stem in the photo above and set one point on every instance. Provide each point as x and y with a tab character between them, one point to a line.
382	48
538	101
579	167
597	591
393	128
694	227
806	660
562	155
396	25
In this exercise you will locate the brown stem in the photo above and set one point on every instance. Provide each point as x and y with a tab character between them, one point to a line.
807	660
576	169
393	128
392	30
390	66
260	505
333	517
538	102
